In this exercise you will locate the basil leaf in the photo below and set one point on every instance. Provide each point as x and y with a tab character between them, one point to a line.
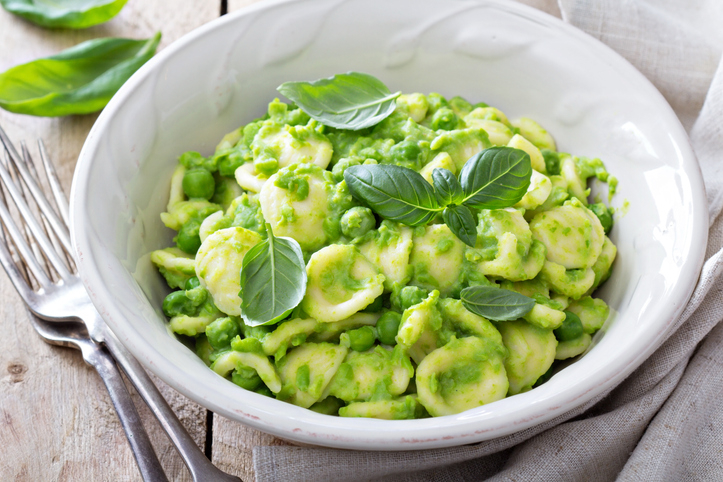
346	101
65	13
495	178
449	191
79	80
273	280
396	193
496	303
460	220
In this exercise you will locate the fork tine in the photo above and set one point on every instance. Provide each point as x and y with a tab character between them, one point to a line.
24	251
28	234
55	222
8	256
15	274
60	200
32	223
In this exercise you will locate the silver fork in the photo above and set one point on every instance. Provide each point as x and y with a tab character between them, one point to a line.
75	335
65	299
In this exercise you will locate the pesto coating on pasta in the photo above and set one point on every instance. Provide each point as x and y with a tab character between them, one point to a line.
382	330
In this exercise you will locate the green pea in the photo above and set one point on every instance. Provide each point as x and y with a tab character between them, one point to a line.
412	295
405	151
388	326
357	221
436	102
257	332
460	105
570	329
177	303
221	331
246	377
376	305
229	161
204	350
444	119
198	183
188	238
328	406
192	160
552	162
604	215
198	295
265	391
192	283
545	376
362	338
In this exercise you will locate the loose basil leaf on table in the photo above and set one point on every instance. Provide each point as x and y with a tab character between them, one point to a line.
66	13
395	193
495	178
449	191
351	101
496	303
273	280
460	220
79	80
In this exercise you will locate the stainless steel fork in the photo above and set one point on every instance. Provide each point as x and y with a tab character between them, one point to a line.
63	297
72	334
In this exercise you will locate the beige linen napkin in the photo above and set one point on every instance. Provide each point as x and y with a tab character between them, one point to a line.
665	421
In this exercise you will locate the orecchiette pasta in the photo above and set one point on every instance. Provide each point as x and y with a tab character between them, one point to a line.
341	282
382	330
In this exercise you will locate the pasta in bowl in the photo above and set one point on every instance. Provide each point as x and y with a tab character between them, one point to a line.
397	317
514	58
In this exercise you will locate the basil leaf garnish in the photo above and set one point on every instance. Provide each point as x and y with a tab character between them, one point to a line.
350	101
273	280
449	191
495	178
65	14
79	80
496	303
394	192
460	220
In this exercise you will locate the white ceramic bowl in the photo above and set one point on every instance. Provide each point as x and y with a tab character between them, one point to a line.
510	56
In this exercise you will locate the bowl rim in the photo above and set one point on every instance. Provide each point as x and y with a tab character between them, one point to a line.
304	426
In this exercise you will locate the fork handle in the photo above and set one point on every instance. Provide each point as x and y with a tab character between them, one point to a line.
148	464
200	467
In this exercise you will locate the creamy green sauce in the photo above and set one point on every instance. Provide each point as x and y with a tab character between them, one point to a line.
287	170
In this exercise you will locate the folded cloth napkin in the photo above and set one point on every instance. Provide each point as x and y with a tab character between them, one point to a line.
665	421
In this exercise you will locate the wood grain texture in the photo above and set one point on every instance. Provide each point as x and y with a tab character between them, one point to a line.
56	420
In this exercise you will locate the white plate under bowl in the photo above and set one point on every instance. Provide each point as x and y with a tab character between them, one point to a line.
520	60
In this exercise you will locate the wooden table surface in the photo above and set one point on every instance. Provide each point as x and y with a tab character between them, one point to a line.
56	420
